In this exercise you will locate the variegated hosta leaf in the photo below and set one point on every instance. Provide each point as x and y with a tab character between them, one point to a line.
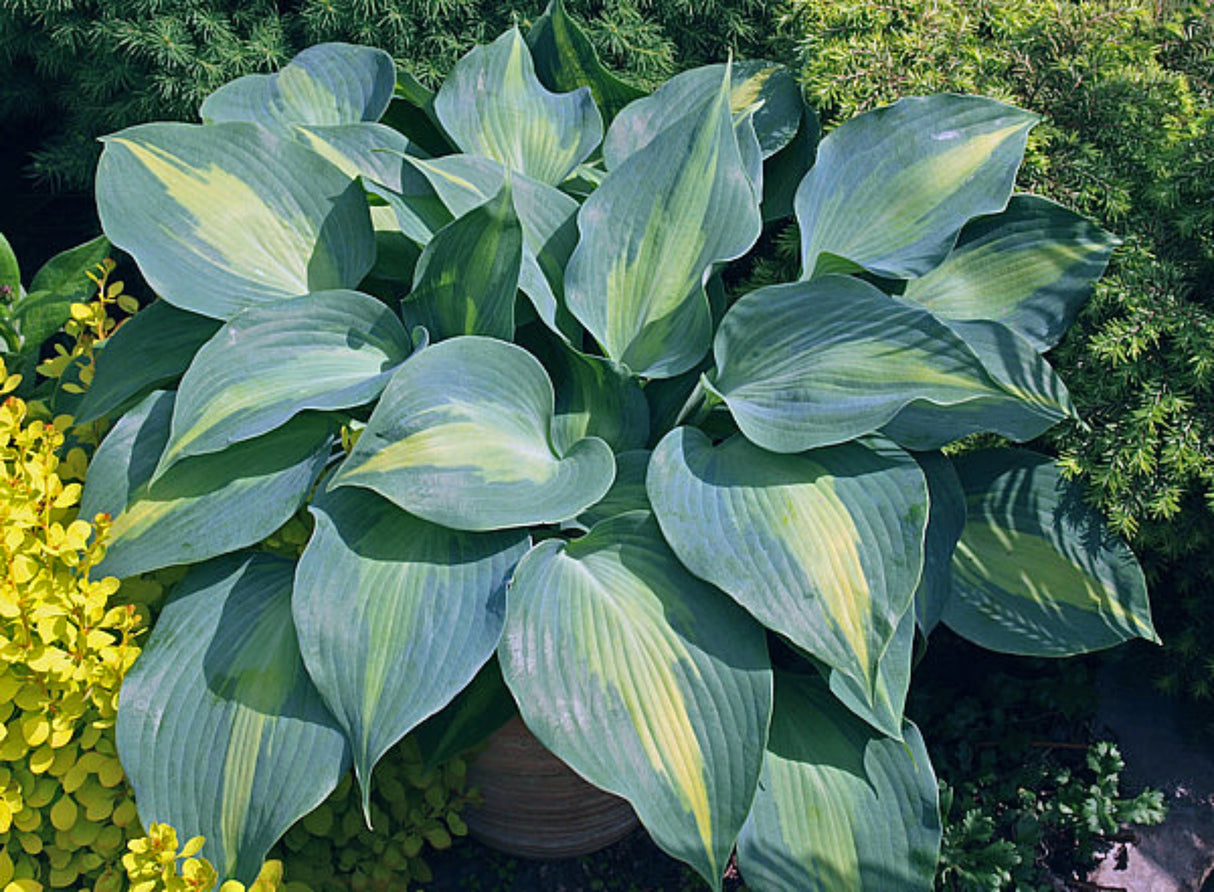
326	350
359	150
1031	267
764	92
220	217
327	84
565	59
649	235
382	602
785	169
1033	397
646	681
220	729
492	104
627	493
839	808
884	709
825	548
150	350
945	521
462	437
467	278
204	506
439	190
1036	571
810	364
594	398
892	187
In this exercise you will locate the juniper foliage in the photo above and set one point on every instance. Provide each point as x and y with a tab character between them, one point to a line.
90	67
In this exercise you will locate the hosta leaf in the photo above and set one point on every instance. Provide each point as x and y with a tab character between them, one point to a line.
626	494
220	729
764	92
492	104
482	707
784	171
411	111
594	398
565	60
459	183
462	437
1031	267
224	216
840	808
882	708
467	278
810	364
647	682
1033	397
892	187
204	506
150	350
359	150
326	350
945	521
330	83
1036	571
382	601
825	548
649	235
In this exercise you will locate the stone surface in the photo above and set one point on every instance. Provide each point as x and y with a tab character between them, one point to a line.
1177	855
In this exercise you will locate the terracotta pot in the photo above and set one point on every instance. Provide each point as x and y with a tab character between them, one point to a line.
535	806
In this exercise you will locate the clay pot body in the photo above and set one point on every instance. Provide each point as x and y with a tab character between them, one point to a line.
535	806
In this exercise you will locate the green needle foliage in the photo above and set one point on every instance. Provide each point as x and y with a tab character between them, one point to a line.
89	67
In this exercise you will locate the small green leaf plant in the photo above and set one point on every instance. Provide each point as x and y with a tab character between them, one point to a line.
484	336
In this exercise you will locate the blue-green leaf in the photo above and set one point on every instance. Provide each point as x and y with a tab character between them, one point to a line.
463	437
467	278
220	729
326	350
492	104
884	706
945	521
646	681
649	235
810	364
224	216
627	493
565	60
1036	571
1030	268
205	506
892	187
824	547
839	808
327	84
395	615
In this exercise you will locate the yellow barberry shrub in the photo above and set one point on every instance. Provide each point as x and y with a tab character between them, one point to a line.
65	644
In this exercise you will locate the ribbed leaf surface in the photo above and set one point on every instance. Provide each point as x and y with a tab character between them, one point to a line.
840	808
824	548
650	233
326	350
224	216
892	187
395	615
1031	267
1036	571
646	681
945	521
462	437
204	506
492	104
220	729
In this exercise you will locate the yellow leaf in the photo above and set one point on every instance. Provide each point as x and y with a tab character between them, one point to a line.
64	813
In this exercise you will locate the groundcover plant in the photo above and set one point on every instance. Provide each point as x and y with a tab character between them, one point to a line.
485	339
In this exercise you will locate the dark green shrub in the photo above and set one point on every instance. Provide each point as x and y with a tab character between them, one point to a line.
90	67
1129	139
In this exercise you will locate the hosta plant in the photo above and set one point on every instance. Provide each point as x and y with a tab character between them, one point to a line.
486	339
